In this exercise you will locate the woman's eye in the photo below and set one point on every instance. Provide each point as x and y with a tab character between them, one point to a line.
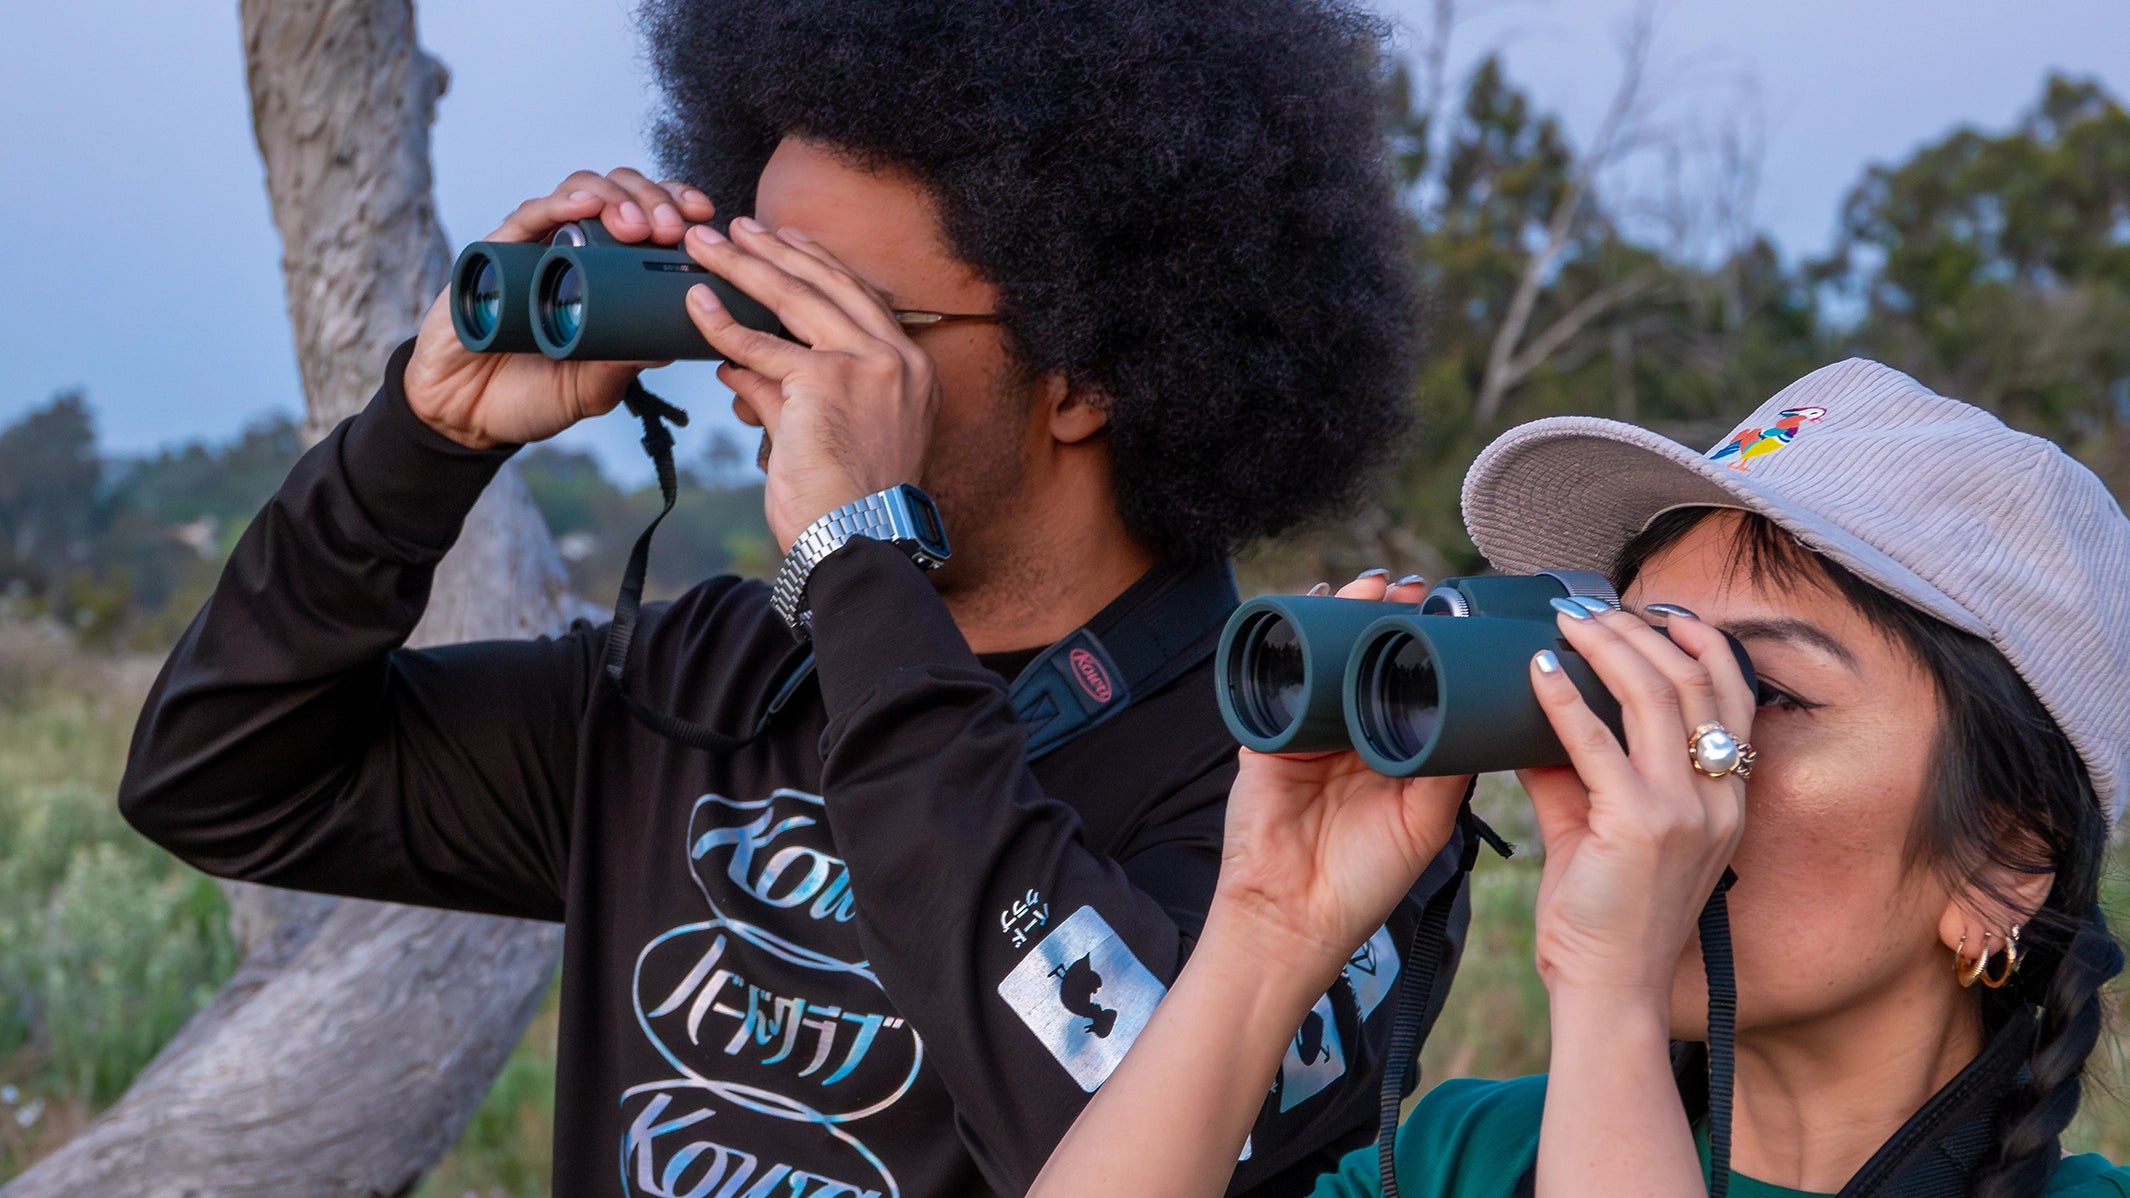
1765	695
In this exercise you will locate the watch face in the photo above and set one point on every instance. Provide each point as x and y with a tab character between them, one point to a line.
924	517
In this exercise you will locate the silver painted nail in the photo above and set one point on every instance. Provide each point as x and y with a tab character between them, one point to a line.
1596	607
1378	572
1669	609
1320	589
1547	662
1409	580
1570	609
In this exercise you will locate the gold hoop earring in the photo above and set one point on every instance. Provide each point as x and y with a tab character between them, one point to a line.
2011	962
1969	973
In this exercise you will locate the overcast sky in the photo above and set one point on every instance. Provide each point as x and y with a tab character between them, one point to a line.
143	265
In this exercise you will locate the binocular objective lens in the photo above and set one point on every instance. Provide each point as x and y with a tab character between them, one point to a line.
1402	698
484	298
564	309
1267	678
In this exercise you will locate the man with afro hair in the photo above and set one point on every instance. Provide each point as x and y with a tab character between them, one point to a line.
870	878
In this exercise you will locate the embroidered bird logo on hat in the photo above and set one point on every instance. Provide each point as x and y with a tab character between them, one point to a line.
1750	444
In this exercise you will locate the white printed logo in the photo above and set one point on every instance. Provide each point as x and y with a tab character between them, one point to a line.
1372	971
1084	995
1027	913
1315	1057
761	1032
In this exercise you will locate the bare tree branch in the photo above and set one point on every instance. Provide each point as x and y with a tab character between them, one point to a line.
1435	59
1620	132
1741	152
1571	322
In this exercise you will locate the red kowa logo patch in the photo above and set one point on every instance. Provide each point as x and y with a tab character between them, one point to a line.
1093	679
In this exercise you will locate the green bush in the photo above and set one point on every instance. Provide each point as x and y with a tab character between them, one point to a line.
107	944
130	952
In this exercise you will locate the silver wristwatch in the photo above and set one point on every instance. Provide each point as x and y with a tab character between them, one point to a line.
902	515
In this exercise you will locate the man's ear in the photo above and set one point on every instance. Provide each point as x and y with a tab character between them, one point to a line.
1074	413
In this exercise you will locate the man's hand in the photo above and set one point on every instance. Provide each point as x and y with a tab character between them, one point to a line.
848	406
481	400
1319	848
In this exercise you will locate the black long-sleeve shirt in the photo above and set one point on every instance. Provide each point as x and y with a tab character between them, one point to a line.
871	952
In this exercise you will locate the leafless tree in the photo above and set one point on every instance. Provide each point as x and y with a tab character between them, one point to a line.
355	1038
1516	351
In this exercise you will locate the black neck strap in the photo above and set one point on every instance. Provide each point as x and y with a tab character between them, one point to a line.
658	443
1159	629
1705	1073
1716	966
1426	959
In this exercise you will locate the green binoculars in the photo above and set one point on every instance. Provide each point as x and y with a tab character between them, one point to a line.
1438	689
586	297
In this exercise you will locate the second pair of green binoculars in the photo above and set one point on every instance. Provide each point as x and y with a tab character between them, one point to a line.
585	296
1440	688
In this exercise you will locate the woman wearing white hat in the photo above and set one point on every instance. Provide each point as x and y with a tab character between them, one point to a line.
1938	611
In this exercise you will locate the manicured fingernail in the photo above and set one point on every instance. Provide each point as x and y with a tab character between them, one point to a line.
1321	589
1546	662
1596	607
1669	609
1378	572
1570	609
1409	580
633	214
702	297
666	214
584	195
706	235
750	224
790	234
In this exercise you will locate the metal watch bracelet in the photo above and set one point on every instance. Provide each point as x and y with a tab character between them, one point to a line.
884	516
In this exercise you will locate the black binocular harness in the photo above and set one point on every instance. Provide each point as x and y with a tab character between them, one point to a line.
1163	627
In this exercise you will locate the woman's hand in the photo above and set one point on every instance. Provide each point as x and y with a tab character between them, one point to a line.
1320	848
480	400
1635	838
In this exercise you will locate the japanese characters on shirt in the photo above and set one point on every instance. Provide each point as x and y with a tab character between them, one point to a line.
758	1026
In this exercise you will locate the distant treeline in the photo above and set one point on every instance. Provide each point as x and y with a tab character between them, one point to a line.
1994	266
124	549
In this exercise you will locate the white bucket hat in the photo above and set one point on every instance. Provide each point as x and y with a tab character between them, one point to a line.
1932	500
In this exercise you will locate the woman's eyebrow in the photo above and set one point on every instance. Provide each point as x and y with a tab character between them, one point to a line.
1797	631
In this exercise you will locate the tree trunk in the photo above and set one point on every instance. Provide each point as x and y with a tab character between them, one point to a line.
355	1038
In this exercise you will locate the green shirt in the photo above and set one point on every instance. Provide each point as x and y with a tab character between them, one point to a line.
1473	1138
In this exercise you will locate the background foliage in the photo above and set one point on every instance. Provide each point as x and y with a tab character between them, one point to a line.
1994	266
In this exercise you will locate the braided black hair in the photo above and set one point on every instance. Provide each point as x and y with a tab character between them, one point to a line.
2009	794
1184	204
2014	794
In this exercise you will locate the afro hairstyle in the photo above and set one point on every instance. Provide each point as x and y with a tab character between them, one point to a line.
1184	204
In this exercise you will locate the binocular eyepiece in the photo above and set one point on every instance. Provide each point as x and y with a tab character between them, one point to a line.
587	297
1438	689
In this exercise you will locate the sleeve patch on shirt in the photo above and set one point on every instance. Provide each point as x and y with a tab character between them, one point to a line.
1373	970
1084	995
1315	1057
